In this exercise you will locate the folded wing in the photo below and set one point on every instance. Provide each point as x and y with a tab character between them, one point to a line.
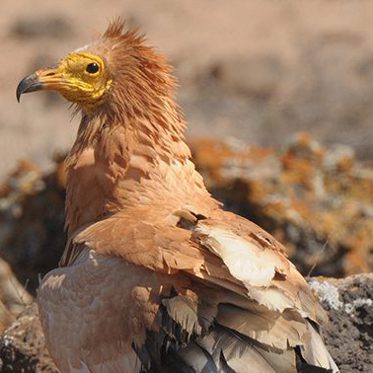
246	305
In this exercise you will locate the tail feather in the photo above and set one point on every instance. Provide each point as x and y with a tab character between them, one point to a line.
238	341
315	353
234	353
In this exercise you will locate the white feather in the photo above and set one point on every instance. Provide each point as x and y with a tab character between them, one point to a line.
247	262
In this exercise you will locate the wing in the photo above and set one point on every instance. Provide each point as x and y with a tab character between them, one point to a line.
247	304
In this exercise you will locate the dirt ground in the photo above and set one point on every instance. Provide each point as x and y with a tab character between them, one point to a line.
256	70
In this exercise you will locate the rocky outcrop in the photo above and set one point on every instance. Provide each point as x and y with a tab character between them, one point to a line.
13	296
349	334
317	201
22	346
32	221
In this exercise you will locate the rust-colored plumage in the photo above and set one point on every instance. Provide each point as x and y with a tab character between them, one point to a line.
156	277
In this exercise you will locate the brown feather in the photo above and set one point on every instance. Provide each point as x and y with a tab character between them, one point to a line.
155	274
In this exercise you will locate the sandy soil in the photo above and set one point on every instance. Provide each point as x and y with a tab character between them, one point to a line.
249	69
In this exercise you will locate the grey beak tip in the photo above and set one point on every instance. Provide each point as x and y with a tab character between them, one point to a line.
19	91
28	84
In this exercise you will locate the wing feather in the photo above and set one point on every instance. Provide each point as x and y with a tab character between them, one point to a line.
247	304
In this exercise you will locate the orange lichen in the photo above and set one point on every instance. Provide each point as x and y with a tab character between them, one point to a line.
317	201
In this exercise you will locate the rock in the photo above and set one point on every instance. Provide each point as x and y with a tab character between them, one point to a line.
348	335
31	221
22	347
316	201
13	296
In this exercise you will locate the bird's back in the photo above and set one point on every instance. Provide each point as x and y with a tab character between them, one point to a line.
185	292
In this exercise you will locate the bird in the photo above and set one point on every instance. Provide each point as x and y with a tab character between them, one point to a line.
156	276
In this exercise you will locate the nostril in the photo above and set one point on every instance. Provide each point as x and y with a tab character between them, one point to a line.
50	74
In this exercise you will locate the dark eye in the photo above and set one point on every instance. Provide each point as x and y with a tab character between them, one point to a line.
92	68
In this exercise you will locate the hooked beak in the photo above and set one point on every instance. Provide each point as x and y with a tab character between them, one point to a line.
44	79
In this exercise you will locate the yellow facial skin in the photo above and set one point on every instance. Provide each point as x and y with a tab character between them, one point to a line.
81	77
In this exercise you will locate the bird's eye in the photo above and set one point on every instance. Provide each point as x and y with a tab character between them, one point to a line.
92	68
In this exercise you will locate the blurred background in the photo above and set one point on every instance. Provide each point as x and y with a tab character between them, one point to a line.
255	70
279	100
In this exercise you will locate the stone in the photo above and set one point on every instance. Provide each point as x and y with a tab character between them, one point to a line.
349	334
22	346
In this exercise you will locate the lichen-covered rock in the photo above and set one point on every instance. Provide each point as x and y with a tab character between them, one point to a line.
318	202
32	220
13	296
348	335
22	347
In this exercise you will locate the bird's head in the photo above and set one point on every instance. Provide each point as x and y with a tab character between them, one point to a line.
117	69
81	77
